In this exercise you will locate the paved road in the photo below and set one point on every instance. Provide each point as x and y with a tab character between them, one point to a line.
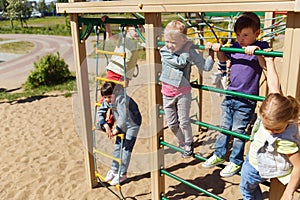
15	69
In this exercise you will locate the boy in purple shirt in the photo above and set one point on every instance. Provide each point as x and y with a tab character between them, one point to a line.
245	73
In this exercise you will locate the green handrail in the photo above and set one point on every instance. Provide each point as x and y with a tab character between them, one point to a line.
233	93
181	150
125	21
190	184
237	50
212	127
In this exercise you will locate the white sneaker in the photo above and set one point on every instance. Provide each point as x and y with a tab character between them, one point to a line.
213	161
230	170
110	175
116	181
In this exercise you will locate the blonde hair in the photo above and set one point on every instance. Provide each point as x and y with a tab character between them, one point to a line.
277	108
175	28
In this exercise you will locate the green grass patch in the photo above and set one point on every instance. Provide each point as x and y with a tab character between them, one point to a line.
66	88
20	47
59	25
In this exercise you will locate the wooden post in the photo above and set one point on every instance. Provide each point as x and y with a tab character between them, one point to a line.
263	90
153	31
290	76
276	189
84	99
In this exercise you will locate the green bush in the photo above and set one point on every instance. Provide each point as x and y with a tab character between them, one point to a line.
48	71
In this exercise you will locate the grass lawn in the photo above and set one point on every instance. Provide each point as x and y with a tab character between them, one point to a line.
34	22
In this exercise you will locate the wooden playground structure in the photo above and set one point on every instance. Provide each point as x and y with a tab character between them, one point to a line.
152	10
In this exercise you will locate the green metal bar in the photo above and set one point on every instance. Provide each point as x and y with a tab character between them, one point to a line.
233	93
228	14
190	184
197	156
140	34
164	198
97	21
181	150
256	52
237	50
212	127
209	126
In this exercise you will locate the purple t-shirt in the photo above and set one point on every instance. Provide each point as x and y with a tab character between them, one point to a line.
245	70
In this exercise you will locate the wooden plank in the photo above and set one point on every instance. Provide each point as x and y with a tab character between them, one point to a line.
294	67
276	189
263	90
84	99
197	6
153	31
289	74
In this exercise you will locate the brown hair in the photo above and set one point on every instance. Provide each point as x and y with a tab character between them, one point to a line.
277	108
107	88
247	20
176	27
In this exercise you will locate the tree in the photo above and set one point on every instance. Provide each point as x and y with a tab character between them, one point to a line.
42	7
3	5
17	9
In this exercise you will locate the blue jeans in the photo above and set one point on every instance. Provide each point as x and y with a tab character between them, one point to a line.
128	145
250	180
236	115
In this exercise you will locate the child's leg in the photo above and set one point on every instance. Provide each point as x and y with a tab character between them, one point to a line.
116	154
241	118
250	180
129	143
183	111
172	118
222	141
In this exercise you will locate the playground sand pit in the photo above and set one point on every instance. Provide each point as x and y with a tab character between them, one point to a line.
42	154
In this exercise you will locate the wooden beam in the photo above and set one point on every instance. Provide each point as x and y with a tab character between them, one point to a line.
153	31
290	74
84	100
156	6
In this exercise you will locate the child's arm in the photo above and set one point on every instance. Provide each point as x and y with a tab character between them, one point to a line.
216	48
107	27
176	62
295	177
272	76
101	112
199	61
250	51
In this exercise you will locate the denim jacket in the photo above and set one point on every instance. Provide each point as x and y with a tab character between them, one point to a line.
126	113
271	163
176	67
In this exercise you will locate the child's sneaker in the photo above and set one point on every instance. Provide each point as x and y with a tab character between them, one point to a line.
230	170
115	181
110	175
213	161
188	151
